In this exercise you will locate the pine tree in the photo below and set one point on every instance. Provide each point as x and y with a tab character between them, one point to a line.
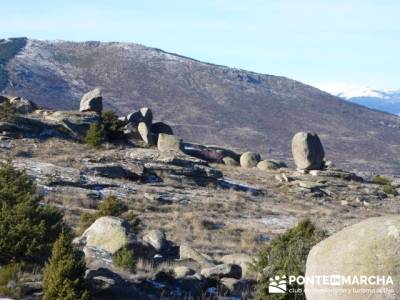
95	135
113	127
27	229
63	276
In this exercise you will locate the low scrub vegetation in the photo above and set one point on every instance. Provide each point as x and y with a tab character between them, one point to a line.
9	273
390	190
286	255
386	183
378	179
125	259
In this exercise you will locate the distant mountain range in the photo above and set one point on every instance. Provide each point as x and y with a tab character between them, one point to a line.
381	99
203	102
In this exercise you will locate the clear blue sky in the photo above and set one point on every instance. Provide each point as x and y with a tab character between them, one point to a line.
314	41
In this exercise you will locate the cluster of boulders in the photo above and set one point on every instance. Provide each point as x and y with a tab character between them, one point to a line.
307	149
138	124
178	269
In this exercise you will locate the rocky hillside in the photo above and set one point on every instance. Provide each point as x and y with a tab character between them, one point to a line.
203	102
188	218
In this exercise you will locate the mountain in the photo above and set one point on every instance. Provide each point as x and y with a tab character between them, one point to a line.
380	99
203	102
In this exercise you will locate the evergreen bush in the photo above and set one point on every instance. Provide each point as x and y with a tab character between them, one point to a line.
112	125
27	228
95	135
286	255
63	276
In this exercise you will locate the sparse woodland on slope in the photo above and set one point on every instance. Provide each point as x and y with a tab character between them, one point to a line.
135	212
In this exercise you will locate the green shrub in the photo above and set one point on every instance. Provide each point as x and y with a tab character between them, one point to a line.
286	255
110	206
125	258
390	190
378	179
112	126
95	135
7	112
63	275
8	273
27	229
386	183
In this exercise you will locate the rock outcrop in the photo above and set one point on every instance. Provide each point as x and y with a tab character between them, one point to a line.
145	133
22	105
267	165
108	234
308	152
368	248
92	101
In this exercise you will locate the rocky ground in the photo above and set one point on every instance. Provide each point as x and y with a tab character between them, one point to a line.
209	216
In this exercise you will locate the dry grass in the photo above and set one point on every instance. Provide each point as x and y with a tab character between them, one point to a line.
212	220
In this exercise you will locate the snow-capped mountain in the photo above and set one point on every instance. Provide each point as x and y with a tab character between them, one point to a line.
387	100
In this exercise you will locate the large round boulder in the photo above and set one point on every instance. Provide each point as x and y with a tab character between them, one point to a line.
249	159
108	234
92	101
367	252
307	150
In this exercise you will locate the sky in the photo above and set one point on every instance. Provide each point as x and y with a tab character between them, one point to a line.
313	41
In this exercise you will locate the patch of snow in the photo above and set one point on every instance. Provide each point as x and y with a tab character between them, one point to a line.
348	91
